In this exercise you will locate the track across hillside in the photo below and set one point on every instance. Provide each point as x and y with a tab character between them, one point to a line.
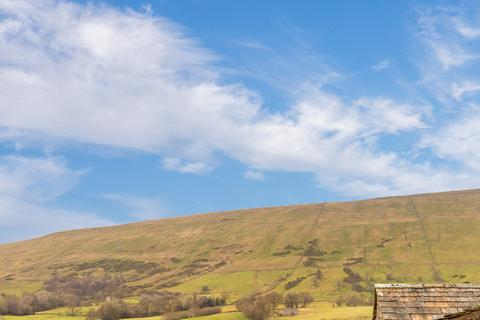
420	238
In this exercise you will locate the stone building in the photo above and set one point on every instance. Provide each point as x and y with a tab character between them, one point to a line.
426	302
288	312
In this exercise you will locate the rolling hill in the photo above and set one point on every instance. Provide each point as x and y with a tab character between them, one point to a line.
327	249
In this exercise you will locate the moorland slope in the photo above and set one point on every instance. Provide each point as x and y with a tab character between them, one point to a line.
327	249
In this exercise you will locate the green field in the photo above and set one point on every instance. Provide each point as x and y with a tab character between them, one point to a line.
317	311
421	238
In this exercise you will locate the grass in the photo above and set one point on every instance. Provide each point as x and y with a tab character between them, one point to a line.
18	287
43	317
237	282
383	240
325	311
81	311
223	316
317	311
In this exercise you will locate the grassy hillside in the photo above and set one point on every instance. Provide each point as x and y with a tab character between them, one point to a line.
421	238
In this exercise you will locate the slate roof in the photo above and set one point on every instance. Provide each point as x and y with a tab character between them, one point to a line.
474	313
423	301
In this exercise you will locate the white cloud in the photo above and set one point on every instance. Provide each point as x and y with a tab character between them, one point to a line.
35	179
446	51
450	40
385	115
452	56
332	139
139	207
466	87
254	175
382	65
459	141
253	44
22	219
467	31
28	187
175	164
437	31
124	79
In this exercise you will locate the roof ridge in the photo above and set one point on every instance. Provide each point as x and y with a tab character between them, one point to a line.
463	312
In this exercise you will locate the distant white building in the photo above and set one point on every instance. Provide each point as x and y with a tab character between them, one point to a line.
288	312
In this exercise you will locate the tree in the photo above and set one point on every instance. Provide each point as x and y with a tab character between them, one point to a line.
3	310
172	303
274	298
11	305
292	300
225	296
317	278
108	311
90	314
354	299
72	302
255	307
305	299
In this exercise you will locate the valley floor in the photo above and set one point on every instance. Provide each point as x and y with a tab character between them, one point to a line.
317	311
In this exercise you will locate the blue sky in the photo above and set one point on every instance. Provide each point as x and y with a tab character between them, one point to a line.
120	111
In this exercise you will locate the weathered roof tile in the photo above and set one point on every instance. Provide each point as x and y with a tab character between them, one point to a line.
419	302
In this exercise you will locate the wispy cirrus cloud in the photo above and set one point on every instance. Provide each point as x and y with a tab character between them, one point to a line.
446	50
139	207
253	44
459	140
175	164
28	188
459	90
443	41
254	175
468	31
382	65
448	40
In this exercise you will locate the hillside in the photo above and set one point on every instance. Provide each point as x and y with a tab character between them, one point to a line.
421	238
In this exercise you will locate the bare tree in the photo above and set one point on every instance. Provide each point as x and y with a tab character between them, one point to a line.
90	314
73	302
274	298
255	307
172	304
292	300
305	299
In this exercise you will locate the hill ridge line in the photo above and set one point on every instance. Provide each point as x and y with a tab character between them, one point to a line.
233	211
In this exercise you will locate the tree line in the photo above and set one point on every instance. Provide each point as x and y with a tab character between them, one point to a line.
72	292
109	292
262	307
30	303
64	291
170	305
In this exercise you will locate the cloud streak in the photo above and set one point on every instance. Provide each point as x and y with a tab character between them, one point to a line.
139	207
175	164
28	188
449	37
